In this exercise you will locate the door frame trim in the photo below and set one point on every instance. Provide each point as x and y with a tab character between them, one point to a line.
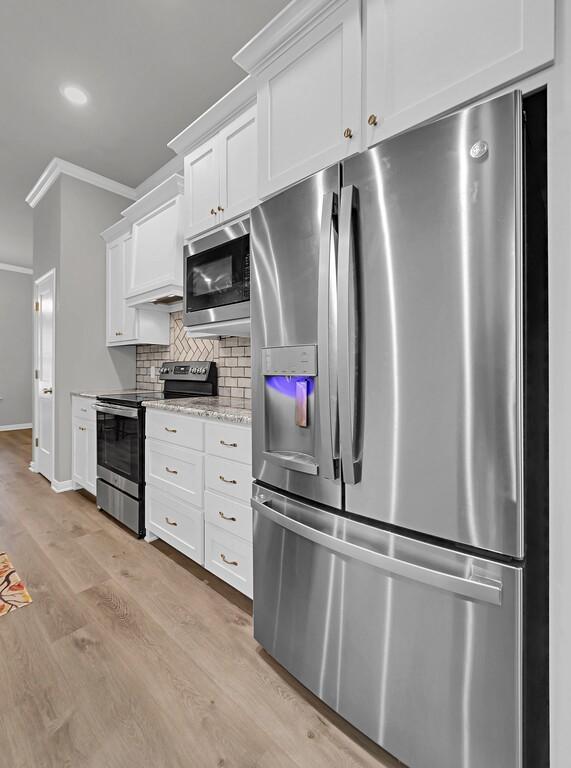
50	275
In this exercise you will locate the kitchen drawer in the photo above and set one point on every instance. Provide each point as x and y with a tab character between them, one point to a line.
175	428
229	477
229	442
229	515
177	523
81	408
176	470
229	557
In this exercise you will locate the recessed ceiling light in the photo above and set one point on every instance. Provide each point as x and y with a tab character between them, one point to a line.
74	94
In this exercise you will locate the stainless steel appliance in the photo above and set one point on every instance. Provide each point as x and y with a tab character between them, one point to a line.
399	340
121	438
217	276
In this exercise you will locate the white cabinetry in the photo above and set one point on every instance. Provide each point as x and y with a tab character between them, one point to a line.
220	160
127	325
84	443
424	58
154	277
199	475
307	66
220	175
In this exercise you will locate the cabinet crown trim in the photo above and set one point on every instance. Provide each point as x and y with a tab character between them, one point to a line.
221	112
161	194
120	228
283	31
57	166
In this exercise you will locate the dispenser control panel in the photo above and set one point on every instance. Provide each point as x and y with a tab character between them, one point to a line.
290	361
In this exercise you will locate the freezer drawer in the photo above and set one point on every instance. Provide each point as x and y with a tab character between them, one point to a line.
418	646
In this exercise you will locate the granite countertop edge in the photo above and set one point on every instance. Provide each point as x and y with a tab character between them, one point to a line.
209	408
97	392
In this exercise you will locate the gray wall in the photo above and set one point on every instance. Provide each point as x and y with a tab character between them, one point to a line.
16	348
67	226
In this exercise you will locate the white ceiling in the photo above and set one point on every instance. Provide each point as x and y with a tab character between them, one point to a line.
150	67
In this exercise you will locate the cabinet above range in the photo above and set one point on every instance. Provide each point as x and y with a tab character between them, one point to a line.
154	271
220	161
126	324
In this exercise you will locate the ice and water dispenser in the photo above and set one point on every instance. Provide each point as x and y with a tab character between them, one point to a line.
290	381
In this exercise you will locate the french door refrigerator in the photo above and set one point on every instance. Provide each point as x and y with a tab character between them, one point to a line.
399	399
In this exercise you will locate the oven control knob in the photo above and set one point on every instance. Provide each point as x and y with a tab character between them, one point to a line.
193	370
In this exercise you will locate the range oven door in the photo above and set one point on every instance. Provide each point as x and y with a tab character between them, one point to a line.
119	447
217	276
417	645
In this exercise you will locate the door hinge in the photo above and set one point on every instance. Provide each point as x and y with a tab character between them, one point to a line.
36	374
37	443
37	306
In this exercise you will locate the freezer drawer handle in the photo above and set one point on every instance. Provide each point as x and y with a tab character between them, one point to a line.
471	589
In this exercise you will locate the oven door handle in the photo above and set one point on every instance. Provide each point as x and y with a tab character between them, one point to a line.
117	410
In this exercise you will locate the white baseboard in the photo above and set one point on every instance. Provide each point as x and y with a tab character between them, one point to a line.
12	427
33	467
61	486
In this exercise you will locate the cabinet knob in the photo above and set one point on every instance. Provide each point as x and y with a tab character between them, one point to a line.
118	333
373	120
220	208
82	429
348	133
212	212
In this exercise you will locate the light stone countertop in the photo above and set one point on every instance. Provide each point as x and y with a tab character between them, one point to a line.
97	392
233	410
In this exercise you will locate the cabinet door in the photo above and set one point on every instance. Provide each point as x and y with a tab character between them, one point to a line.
202	187
157	249
309	102
121	320
79	451
238	165
426	58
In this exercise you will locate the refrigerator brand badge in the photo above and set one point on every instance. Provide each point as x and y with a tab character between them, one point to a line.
479	150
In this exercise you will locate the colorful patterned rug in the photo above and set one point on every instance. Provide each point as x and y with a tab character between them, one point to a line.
13	593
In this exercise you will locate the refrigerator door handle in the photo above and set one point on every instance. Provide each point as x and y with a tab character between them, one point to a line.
326	335
347	351
470	588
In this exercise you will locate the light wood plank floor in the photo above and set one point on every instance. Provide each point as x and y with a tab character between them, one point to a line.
132	656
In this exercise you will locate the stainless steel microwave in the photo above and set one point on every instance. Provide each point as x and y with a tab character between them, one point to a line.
217	276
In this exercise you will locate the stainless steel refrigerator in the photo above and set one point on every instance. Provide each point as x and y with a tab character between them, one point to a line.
399	399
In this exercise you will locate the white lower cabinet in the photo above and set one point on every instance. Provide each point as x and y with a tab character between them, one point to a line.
83	444
198	500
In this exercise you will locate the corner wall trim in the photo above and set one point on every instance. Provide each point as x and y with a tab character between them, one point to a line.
16	268
61	486
33	467
12	427
58	166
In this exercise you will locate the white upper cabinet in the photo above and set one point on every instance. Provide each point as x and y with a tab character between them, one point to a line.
155	274
201	177
237	150
307	67
424	58
220	161
127	325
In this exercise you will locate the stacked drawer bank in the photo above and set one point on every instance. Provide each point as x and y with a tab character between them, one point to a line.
198	482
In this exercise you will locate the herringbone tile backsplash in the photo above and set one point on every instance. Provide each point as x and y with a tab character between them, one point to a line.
232	356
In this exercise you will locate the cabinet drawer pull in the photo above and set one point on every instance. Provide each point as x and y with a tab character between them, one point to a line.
228	445
170	429
82	429
225	517
230	482
228	562
171	471
171	522
118	333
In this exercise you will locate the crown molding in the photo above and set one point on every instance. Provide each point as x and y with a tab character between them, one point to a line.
121	227
174	165
297	19
225	109
162	193
16	268
58	166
